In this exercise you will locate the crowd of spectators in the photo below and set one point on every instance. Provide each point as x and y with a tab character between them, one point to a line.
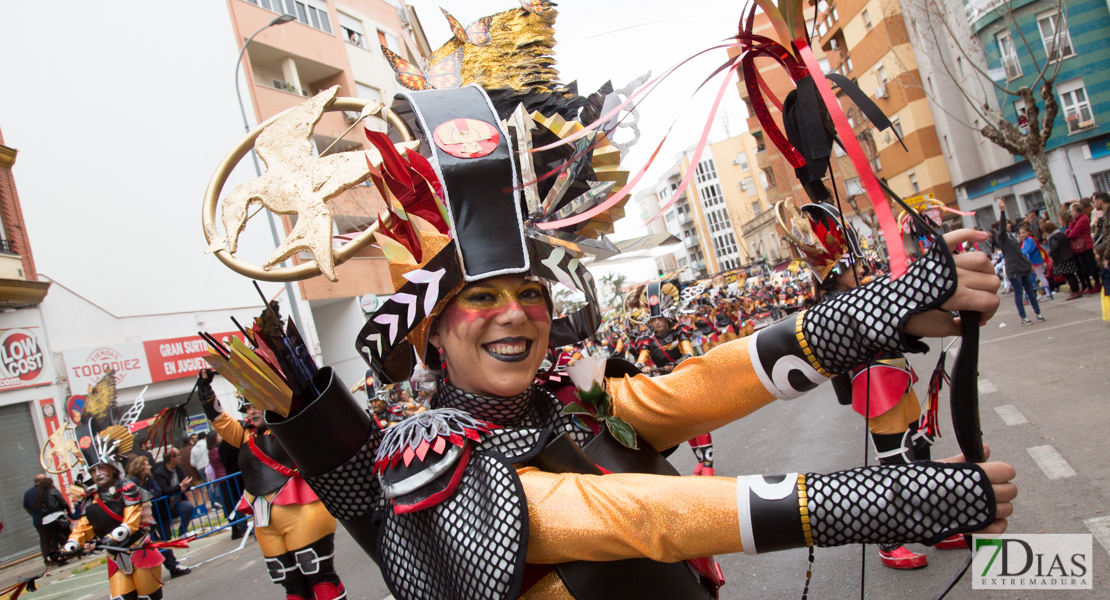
1037	255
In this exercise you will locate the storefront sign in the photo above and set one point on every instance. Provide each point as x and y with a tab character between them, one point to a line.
22	362
87	366
999	179
180	357
197	424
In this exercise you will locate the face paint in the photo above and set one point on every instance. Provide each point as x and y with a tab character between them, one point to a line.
481	303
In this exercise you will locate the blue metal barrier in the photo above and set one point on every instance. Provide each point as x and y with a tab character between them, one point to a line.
201	510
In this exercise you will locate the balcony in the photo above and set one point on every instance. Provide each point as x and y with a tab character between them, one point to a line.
685	217
691	242
758	222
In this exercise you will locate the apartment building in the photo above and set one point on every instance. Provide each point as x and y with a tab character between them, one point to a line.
330	42
1078	151
867	41
745	188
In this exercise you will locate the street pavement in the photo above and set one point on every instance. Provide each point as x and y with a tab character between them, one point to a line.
1042	387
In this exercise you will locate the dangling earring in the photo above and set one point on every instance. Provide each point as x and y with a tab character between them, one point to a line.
443	364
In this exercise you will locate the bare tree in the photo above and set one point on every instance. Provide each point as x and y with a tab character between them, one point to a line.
940	28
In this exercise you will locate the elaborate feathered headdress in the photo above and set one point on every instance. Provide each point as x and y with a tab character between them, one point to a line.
817	231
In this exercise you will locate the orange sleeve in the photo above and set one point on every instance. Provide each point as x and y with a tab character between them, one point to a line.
230	429
133	516
700	395
82	531
614	517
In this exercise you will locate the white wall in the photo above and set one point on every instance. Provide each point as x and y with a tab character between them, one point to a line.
337	324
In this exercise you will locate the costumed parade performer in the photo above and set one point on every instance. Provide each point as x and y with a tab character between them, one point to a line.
294	531
882	390
666	348
512	489
115	516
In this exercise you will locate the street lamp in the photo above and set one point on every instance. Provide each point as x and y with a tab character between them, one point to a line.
281	20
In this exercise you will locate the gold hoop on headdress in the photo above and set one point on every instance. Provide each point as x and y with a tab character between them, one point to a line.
796	226
219	178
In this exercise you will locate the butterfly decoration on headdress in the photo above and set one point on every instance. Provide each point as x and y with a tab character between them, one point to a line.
446	73
476	33
540	7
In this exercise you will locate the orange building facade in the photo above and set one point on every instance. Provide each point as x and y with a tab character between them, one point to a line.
329	43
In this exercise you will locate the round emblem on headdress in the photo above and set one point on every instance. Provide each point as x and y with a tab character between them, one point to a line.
653	300
466	138
85	442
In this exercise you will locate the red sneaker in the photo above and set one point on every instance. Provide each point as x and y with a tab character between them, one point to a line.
698	468
707	471
952	543
903	558
329	591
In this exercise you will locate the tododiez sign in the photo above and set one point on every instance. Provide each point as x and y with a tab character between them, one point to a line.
21	359
85	367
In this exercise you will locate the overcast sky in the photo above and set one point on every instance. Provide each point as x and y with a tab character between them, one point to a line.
122	111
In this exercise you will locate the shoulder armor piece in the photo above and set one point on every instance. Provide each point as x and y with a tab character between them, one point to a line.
130	494
421	459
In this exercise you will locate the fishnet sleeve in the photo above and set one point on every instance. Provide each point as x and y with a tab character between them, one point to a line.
850	328
922	502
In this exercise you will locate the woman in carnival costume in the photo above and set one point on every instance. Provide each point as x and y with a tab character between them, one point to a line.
511	488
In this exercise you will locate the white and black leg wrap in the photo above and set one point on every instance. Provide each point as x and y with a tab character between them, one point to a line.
894	448
851	328
769	511
279	567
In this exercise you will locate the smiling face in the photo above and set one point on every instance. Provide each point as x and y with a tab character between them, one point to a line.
494	335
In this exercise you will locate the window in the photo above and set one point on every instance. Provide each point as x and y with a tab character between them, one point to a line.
913	182
896	123
767	178
853	187
313	13
866	19
1022	119
881	72
368	93
1033	201
848	62
1054	34
748	185
760	145
947	146
824	62
1009	55
1077	106
706	171
756	208
742	160
1101	181
351	29
670	215
389	41
711	195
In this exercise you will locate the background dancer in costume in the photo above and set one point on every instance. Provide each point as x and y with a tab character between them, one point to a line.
294	530
665	349
881	391
112	515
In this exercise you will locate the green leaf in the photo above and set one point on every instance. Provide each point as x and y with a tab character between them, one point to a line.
622	432
576	409
596	392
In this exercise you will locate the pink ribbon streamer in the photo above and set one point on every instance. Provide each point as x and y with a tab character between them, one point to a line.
887	223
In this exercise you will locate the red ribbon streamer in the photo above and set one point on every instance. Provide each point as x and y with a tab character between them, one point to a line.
889	227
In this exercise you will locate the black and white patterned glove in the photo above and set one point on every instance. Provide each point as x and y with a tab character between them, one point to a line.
922	502
851	328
